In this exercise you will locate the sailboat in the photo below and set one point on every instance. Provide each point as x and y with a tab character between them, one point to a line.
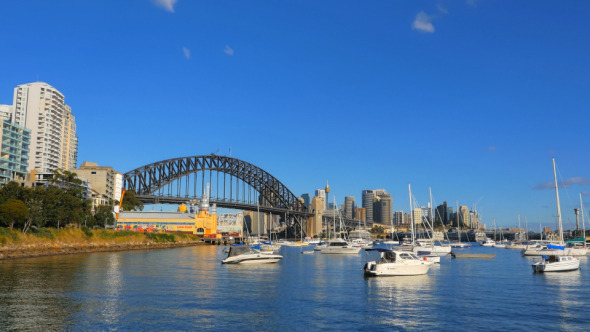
338	245
500	244
557	261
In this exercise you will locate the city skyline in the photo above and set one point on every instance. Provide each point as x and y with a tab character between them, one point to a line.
472	98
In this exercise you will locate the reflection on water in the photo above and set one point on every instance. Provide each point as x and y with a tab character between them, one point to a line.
189	289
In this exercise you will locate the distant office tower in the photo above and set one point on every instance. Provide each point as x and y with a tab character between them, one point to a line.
368	200
441	216
398	217
41	108
15	152
463	215
360	214
474	219
321	193
407	219
385	208
306	200
349	207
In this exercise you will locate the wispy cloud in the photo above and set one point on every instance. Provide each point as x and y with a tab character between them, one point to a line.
166	4
492	148
585	193
422	23
472	3
565	184
442	9
186	52
228	50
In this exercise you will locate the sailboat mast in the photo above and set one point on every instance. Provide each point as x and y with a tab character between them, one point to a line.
558	206
411	212
583	223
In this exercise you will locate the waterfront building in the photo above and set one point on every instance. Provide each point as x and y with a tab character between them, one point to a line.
6	112
41	108
101	178
15	152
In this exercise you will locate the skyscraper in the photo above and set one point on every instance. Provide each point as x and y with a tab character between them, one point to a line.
368	200
41	108
349	207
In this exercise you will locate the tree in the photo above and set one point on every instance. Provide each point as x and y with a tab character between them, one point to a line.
130	202
13	211
104	215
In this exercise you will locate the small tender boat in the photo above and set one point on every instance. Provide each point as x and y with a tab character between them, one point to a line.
241	254
396	263
557	263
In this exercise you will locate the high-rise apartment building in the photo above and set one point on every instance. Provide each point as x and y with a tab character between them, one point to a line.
15	151
41	108
398	217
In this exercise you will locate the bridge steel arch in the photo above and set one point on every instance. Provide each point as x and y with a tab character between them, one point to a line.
150	183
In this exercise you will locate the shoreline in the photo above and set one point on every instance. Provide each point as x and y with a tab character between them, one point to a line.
29	251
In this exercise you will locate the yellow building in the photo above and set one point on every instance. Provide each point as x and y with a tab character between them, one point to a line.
203	224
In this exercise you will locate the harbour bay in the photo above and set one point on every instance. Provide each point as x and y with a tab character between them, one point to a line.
188	289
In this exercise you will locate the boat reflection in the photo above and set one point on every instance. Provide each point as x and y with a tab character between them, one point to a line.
405	296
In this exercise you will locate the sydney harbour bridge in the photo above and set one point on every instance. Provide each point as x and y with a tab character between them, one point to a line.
234	184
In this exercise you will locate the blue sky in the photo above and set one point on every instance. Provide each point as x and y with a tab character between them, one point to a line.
471	98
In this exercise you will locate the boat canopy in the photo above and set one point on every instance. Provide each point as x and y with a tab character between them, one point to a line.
551	246
238	250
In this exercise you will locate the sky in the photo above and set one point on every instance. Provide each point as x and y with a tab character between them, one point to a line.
470	98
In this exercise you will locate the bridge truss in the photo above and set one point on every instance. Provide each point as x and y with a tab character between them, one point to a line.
234	184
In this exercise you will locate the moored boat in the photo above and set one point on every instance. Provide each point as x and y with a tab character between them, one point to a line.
242	254
396	263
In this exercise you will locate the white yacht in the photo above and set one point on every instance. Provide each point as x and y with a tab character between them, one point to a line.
557	263
339	246
487	242
397	263
241	254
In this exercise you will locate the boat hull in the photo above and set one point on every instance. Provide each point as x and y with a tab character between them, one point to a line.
397	269
260	258
340	250
561	266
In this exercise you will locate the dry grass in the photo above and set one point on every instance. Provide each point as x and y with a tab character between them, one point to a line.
83	237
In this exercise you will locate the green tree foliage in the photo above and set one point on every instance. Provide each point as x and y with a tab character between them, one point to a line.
130	202
377	230
103	216
13	212
51	206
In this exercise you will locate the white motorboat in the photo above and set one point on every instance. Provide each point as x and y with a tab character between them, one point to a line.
516	245
396	263
339	246
557	263
241	254
428	256
487	242
460	245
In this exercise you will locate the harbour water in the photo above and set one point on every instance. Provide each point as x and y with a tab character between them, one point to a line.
189	289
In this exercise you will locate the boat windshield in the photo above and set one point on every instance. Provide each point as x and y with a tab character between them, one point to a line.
408	256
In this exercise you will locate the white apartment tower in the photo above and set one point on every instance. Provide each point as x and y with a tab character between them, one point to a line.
41	108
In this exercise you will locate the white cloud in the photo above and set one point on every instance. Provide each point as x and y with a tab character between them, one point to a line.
166	4
564	184
228	50
442	9
422	23
187	52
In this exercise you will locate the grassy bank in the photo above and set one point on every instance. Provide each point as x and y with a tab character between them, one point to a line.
48	241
